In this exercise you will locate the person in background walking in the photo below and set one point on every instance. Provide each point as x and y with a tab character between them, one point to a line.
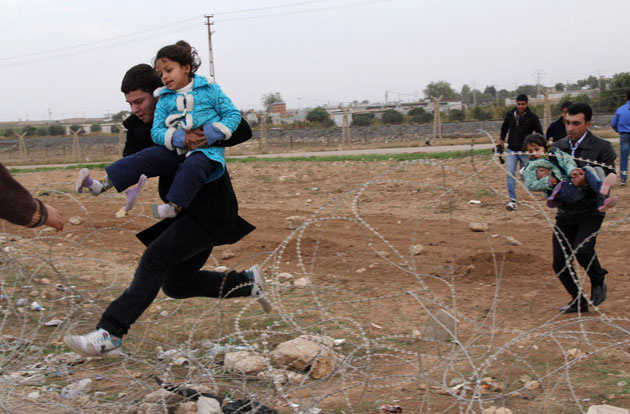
556	130
621	124
518	123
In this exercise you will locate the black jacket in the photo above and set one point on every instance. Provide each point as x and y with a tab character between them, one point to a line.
138	135
595	149
527	124
556	130
215	207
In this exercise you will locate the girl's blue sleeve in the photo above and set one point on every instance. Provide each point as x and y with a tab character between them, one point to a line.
229	114
566	162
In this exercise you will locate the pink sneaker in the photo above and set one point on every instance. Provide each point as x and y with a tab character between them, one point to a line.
609	203
133	193
609	181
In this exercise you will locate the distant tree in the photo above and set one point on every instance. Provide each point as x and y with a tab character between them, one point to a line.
456	115
392	116
365	101
443	88
271	98
76	127
8	132
529	90
114	129
581	98
119	116
30	130
559	87
490	91
42	131
55	130
615	93
420	116
504	93
95	128
319	115
481	115
589	83
362	119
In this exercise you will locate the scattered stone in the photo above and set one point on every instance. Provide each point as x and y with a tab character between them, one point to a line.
244	361
207	405
416	334
36	307
295	378
478	227
189	407
443	270
512	241
221	269
294	222
574	353
75	220
438	327
361	270
312	410
469	269
25	378
285	276
33	395
532	385
44	281
76	389
302	282
162	396
495	410
381	253
417	249
278	376
622	383
67	358
606	409
226	255
304	351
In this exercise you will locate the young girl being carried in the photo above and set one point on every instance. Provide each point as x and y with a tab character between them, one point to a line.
187	101
556	173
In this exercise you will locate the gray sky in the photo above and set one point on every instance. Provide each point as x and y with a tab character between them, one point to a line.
69	56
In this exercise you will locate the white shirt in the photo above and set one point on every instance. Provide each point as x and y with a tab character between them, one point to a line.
577	144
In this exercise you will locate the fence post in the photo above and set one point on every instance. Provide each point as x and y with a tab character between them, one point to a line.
437	121
547	110
262	121
75	145
22	145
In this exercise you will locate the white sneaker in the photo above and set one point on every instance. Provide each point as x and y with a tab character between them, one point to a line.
98	343
511	206
258	287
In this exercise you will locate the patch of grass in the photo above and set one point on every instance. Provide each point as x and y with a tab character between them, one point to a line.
14	171
264	178
368	157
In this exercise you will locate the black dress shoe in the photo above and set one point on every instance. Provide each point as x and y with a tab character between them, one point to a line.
598	293
573	306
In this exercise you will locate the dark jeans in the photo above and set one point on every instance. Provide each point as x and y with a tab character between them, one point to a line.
190	172
172	262
569	193
569	233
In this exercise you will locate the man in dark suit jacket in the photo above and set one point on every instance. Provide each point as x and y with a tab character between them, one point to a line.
578	223
177	248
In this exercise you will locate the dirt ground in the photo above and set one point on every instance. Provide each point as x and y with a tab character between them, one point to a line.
367	287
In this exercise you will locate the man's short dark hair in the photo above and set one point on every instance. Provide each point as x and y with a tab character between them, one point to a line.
522	98
581	108
565	104
627	94
142	77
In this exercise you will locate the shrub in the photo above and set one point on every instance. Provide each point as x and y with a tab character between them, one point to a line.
56	130
95	128
391	116
362	119
456	115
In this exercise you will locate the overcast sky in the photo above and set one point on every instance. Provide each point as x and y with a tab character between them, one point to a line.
68	57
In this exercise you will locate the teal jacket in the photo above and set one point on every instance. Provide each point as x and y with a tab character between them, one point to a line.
559	162
205	103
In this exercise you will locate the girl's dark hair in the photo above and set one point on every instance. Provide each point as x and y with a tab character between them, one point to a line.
182	53
536	139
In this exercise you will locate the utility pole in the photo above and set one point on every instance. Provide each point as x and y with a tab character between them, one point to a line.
538	74
474	88
211	61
